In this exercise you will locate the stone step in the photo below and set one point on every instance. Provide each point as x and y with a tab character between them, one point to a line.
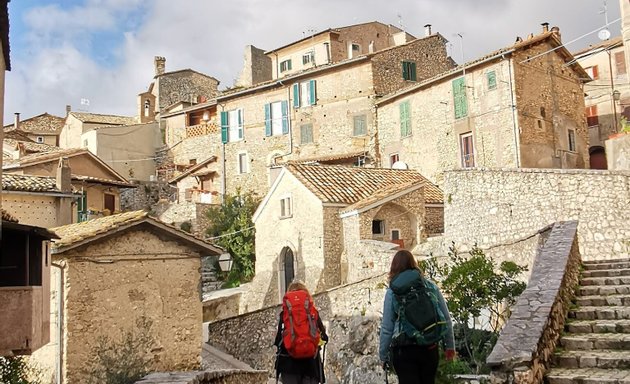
600	262
608	359
619	280
587	376
598	301
600	313
598	326
595	341
607	272
603	290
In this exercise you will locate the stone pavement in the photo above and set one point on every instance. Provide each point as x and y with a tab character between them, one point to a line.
595	347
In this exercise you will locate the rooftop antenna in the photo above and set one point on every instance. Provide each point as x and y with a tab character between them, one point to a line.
400	22
463	57
604	33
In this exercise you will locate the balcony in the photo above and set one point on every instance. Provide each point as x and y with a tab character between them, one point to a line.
24	319
202	129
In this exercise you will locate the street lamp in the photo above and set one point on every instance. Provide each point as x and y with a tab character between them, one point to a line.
225	262
616	95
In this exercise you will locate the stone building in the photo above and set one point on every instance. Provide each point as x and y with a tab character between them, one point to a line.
79	123
118	274
198	183
42	129
17	144
521	106
321	112
327	225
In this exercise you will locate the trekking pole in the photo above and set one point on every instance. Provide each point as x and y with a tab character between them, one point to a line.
323	360
385	366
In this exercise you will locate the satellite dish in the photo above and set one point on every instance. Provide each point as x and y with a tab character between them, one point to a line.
400	165
604	34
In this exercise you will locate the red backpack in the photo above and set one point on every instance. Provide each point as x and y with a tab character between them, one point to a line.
299	316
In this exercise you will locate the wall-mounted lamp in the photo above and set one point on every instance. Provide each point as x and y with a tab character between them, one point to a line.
225	262
616	95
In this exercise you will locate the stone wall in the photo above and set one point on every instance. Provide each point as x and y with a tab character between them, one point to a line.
368	258
185	85
529	338
209	377
434	220
618	153
256	67
146	195
352	315
493	207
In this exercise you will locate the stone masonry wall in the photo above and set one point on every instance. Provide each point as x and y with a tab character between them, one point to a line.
434	221
208	377
140	276
146	195
493	207
185	85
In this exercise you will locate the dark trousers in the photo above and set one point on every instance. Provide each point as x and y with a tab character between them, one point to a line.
415	364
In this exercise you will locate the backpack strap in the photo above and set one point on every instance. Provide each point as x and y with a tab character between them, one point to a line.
311	322
289	308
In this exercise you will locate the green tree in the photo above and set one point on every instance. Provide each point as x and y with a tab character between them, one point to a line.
16	370
232	228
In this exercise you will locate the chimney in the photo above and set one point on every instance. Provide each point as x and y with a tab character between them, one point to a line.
64	179
556	31
16	125
427	30
545	26
160	65
68	109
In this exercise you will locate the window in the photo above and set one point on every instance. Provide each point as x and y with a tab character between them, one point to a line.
356	48
592	120
393	159
285	207
592	72
353	50
109	202
395	234
232	125
405	119
409	70
467	150
360	125
620	63
192	162
377	227
459	98
304	94
572	146
492	80
242	163
277	118
308	57
40	139
147	108
306	134
285	65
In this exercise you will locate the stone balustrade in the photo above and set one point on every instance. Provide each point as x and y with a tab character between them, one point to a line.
528	340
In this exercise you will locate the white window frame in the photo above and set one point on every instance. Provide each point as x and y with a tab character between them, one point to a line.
305	94
39	139
351	50
308	58
285	65
275	110
391	155
233	125
242	169
286	207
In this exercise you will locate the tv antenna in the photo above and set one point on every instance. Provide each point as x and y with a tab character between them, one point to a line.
400	21
604	33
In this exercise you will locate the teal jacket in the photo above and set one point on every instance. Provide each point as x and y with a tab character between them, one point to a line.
389	323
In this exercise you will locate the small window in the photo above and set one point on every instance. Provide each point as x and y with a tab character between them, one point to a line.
592	119
285	65
285	207
360	125
306	133
109	202
192	162
492	80
395	234
147	108
378	227
232	125
393	159
308	57
572	146
592	72
356	48
467	150
459	98
620	63
409	70
242	163
304	94
40	139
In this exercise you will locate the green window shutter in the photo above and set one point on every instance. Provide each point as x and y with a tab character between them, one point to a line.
289	64
408	107
240	123
224	127
412	67
296	95
360	126
285	116
492	80
306	133
405	126
405	70
459	98
312	93
267	119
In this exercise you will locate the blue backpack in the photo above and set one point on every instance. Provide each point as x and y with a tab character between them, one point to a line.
417	310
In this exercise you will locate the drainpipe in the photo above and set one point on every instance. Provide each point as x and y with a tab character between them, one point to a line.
223	167
514	124
60	318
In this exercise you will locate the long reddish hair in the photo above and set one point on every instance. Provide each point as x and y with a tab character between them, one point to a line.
402	261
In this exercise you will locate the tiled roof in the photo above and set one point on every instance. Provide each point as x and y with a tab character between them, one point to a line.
604	44
42	157
16	135
104	119
42	124
28	183
348	185
192	169
381	195
340	156
6	216
101	180
74	234
30	146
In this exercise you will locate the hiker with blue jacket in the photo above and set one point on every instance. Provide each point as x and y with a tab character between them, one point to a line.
415	321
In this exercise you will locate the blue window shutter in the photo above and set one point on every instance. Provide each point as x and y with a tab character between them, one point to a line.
285	116
311	90
224	127
240	123
267	119
296	95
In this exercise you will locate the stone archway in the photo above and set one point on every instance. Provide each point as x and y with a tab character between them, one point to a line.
287	269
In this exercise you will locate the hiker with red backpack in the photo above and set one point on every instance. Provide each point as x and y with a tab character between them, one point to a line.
415	320
300	333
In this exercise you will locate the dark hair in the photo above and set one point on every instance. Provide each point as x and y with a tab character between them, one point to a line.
402	261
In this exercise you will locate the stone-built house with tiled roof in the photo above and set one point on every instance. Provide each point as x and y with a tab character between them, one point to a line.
327	225
98	184
323	110
519	107
118	274
17	144
42	129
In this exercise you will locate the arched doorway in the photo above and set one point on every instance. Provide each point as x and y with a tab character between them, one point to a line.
598	158
287	262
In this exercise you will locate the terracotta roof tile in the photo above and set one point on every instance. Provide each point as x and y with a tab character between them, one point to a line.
382	194
348	185
42	124
333	157
104	119
30	146
28	183
39	157
101	180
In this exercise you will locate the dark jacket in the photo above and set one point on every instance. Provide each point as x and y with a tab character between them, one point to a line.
305	367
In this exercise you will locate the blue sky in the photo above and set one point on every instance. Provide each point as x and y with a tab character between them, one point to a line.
102	50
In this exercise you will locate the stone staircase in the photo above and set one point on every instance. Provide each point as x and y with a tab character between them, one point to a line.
595	347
